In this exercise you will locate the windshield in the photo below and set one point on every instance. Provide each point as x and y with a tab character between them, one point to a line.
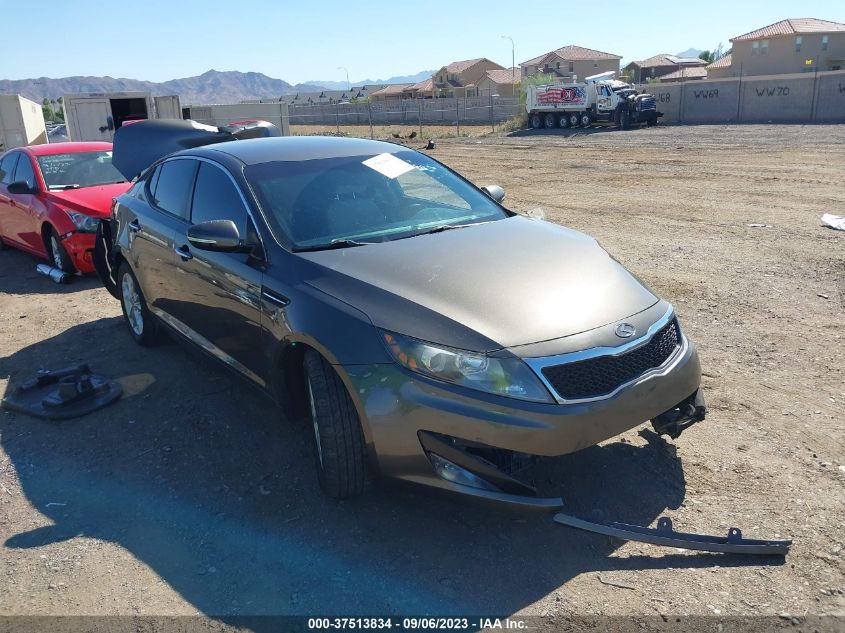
80	169
360	199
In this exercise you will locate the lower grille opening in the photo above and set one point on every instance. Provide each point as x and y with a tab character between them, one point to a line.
596	377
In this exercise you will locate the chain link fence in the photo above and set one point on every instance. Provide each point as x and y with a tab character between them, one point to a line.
470	111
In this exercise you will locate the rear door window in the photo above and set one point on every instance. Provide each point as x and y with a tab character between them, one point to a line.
173	183
7	167
216	197
24	172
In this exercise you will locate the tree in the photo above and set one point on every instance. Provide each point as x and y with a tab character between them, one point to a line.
47	109
714	55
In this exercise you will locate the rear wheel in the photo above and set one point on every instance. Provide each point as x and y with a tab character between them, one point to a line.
536	121
338	438
550	120
574	119
142	324
564	120
57	253
585	119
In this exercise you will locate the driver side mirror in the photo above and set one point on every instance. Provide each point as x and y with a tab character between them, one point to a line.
21	187
495	192
217	235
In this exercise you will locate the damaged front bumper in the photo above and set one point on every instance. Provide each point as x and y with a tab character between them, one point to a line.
493	473
80	248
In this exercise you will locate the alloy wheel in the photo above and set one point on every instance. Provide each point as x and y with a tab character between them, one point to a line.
55	253
132	304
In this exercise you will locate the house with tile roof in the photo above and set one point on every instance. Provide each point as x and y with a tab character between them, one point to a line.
662	65
460	79
571	62
794	45
504	83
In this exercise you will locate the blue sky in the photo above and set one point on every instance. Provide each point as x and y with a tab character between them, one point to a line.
297	41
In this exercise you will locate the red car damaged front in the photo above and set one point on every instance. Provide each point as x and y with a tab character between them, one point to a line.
52	198
76	215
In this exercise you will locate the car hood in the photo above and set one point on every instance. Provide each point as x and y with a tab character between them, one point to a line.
93	201
501	284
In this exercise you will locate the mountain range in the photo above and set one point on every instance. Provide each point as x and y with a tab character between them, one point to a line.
210	87
398	79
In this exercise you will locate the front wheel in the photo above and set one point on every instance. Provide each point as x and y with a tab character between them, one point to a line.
338	438
142	324
57	253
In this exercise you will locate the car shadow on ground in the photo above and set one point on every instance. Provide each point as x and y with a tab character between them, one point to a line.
202	480
568	132
18	276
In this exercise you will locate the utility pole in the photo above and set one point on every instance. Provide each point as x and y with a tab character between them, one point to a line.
513	56
348	85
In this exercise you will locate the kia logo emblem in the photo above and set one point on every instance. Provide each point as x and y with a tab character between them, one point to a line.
625	330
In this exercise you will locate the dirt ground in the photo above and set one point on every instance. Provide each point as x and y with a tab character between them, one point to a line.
394	132
193	496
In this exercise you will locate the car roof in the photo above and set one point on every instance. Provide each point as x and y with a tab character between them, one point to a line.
296	148
67	148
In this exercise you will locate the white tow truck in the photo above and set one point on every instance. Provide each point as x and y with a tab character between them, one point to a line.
599	98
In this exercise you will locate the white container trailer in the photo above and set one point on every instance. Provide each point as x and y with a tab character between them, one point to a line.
95	116
21	122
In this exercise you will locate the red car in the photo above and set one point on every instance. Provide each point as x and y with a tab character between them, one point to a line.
52	198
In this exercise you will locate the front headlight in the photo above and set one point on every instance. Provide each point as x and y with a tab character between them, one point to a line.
84	223
502	376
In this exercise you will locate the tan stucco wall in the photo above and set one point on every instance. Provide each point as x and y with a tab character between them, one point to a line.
487	86
782	57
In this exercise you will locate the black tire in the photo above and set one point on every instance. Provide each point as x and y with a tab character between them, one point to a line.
339	448
143	326
624	120
550	120
585	119
564	120
56	251
574	119
536	121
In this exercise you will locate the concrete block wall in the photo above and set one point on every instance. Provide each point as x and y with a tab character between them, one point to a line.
803	97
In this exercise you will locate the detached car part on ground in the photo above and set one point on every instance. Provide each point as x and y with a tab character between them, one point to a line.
427	333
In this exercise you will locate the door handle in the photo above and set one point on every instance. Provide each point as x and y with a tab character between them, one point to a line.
184	253
134	225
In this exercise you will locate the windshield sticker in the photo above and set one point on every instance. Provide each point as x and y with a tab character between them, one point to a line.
388	165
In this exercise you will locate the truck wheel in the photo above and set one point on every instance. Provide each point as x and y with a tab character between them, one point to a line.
564	120
550	120
142	324
536	121
624	120
586	119
574	119
338	439
651	122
